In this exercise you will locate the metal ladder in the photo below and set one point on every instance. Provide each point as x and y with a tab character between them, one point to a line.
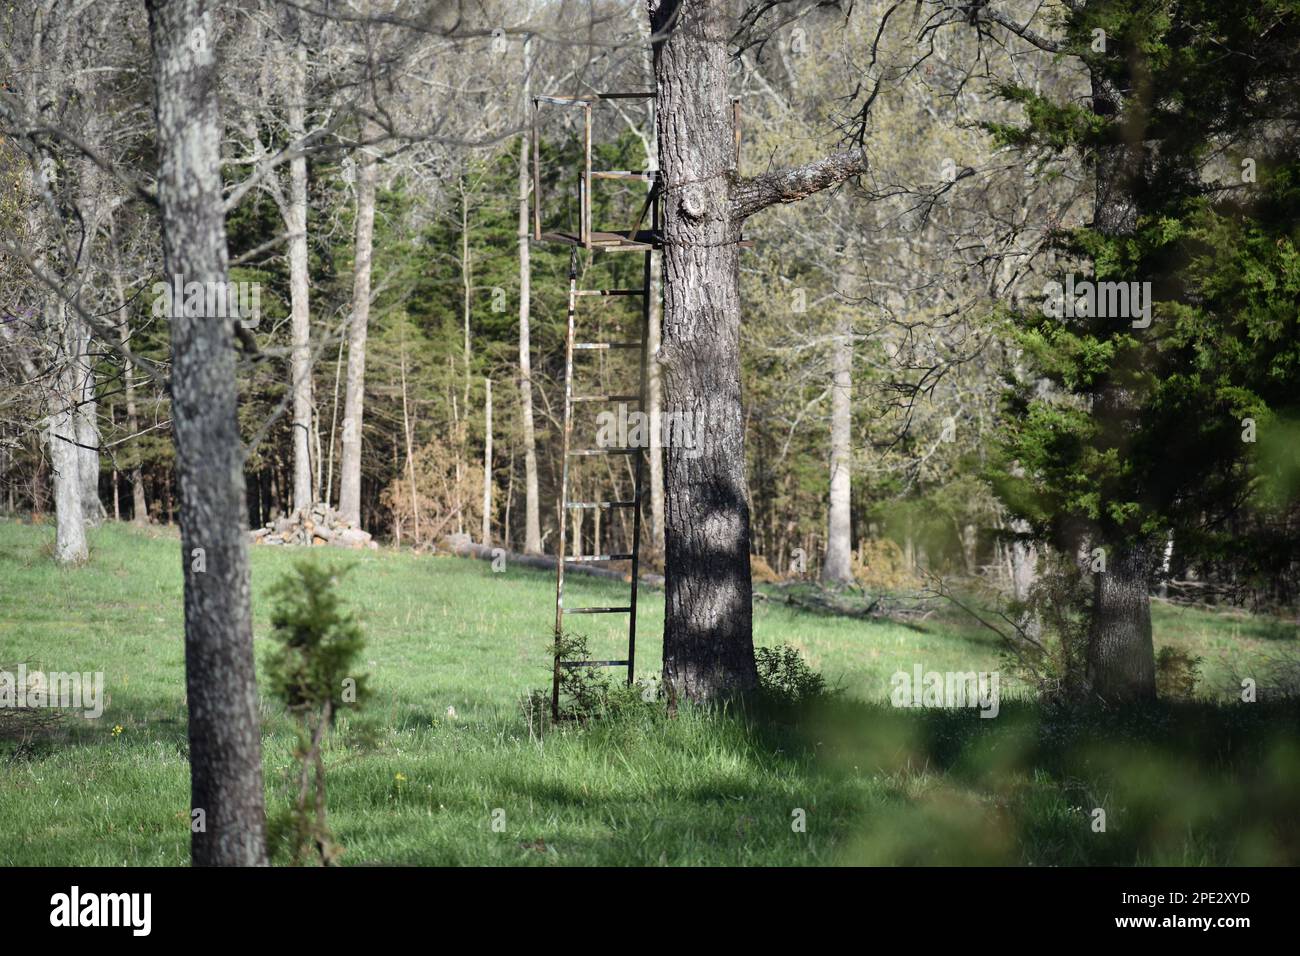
572	345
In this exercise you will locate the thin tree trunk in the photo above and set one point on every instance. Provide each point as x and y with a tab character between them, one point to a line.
487	461
532	496
65	474
355	398
837	567
328	497
139	506
221	692
87	413
655	397
410	450
299	286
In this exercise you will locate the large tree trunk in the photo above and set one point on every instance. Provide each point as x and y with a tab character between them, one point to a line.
838	567
299	286
708	642
221	690
355	396
532	497
1121	661
1121	657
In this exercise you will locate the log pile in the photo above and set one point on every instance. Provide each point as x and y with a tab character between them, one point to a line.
320	526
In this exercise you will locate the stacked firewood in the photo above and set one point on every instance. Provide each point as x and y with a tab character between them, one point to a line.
319	526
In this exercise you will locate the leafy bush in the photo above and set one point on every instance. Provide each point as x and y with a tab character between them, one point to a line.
1177	674
879	564
785	677
585	692
313	670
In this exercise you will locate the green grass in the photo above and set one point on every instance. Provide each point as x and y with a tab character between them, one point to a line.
1212	782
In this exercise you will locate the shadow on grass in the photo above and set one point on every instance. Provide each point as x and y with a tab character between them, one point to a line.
1187	783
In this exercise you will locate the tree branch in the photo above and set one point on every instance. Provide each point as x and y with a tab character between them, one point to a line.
749	196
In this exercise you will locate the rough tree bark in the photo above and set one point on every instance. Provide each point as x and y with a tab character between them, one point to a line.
708	638
224	732
1120	657
837	567
654	388
355	394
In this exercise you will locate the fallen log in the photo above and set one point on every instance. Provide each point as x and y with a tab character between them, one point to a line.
460	547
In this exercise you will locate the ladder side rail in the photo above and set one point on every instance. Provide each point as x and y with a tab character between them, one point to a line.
564	481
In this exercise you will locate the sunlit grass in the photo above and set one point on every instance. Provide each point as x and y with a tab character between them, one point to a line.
1212	782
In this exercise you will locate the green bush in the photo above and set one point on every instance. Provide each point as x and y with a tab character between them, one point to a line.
313	670
784	677
1177	674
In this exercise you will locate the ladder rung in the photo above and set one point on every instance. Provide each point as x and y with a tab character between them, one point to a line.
609	291
596	610
588	452
605	398
645	175
593	663
591	346
600	557
600	504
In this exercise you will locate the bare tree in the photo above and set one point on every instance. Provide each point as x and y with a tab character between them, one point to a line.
354	397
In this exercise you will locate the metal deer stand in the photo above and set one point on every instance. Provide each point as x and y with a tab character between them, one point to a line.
645	237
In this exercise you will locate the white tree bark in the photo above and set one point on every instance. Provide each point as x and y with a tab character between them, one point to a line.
532	507
299	286
355	398
837	567
487	462
65	459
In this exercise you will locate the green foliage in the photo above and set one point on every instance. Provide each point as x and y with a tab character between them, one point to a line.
1140	430
1212	782
1177	674
588	693
313	671
784	677
314	667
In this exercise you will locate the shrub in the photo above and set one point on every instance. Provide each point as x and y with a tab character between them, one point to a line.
880	565
1177	674
760	571
784	676
313	670
585	692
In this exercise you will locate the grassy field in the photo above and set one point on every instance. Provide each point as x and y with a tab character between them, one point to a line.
1209	782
